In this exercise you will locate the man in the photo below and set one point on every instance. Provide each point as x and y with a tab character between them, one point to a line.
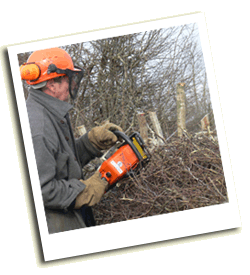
67	196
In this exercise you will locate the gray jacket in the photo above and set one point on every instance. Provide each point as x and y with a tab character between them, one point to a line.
60	159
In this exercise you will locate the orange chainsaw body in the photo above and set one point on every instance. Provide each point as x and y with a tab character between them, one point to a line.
117	166
126	158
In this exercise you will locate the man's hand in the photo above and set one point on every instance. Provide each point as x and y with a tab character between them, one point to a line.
102	137
93	192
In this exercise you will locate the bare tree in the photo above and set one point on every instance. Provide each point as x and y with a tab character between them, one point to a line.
139	72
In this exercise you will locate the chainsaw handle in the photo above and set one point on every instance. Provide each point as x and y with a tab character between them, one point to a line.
129	142
121	134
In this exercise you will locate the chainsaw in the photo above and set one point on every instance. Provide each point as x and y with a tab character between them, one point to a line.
125	160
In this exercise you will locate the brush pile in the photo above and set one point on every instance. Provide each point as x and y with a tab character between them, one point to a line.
183	174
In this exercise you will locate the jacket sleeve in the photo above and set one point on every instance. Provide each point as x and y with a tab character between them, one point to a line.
57	194
86	151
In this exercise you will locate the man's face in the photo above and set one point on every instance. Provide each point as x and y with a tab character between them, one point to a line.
59	90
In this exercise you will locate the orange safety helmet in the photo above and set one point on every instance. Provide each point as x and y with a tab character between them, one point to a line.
43	65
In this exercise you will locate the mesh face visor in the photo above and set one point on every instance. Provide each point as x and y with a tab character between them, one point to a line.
75	78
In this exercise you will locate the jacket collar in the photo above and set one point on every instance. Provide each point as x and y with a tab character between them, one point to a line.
58	107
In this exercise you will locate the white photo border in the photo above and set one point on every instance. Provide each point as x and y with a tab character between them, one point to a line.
145	230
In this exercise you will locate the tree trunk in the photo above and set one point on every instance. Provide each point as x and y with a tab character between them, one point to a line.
143	127
181	108
205	124
157	127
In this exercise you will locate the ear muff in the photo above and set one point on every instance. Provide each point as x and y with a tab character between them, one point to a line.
30	71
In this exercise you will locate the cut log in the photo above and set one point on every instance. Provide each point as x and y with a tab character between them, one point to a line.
81	130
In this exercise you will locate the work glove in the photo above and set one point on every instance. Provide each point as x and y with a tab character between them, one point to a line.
102	137
93	192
